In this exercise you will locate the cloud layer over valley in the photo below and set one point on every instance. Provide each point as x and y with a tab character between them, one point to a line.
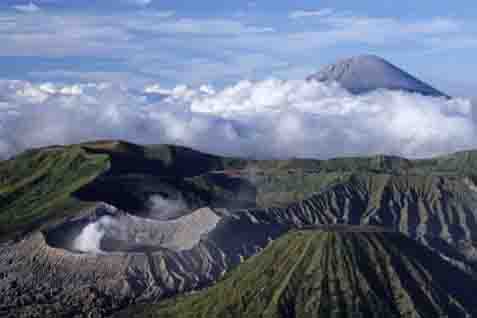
270	118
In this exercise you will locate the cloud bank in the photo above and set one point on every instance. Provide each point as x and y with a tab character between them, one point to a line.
28	8
145	42
271	118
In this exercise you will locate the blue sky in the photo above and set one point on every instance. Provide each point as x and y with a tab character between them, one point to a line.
206	74
136	42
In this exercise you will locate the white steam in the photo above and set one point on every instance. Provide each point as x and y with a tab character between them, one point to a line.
124	232
127	228
165	209
270	118
89	240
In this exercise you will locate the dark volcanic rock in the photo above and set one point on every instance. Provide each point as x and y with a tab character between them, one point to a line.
236	209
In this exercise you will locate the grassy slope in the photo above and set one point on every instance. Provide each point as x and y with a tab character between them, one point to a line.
42	186
236	294
313	273
38	186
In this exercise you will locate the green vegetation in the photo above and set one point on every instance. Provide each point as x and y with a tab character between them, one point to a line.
37	186
42	186
286	188
330	273
301	274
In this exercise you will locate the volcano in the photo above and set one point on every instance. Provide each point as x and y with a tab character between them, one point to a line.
77	236
365	73
333	272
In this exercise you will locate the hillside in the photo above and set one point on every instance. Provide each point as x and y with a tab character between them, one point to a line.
330	273
43	186
37	184
136	223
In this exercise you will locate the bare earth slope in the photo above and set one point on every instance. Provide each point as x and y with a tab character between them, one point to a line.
331	273
233	209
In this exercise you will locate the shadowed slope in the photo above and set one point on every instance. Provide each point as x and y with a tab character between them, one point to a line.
55	189
315	273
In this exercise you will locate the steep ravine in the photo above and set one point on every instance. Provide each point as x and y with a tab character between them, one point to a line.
383	200
332	273
235	208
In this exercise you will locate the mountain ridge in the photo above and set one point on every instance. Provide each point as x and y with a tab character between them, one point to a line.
432	201
327	271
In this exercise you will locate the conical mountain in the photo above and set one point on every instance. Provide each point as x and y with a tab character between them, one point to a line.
49	196
365	73
333	272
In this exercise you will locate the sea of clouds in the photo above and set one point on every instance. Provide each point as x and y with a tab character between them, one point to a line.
270	118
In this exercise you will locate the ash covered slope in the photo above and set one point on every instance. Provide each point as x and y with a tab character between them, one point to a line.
365	73
42	187
314	273
433	201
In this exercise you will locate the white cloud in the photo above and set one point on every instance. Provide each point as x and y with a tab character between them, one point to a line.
390	26
156	89
143	33
146	43
384	31
159	44
162	14
310	13
271	118
208	27
138	2
28	8
62	35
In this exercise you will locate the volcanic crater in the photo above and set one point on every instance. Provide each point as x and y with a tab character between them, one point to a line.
106	229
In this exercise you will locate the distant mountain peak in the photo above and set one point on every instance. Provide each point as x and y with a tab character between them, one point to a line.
364	73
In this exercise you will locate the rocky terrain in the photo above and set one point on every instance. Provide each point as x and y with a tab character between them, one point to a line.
332	272
81	234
